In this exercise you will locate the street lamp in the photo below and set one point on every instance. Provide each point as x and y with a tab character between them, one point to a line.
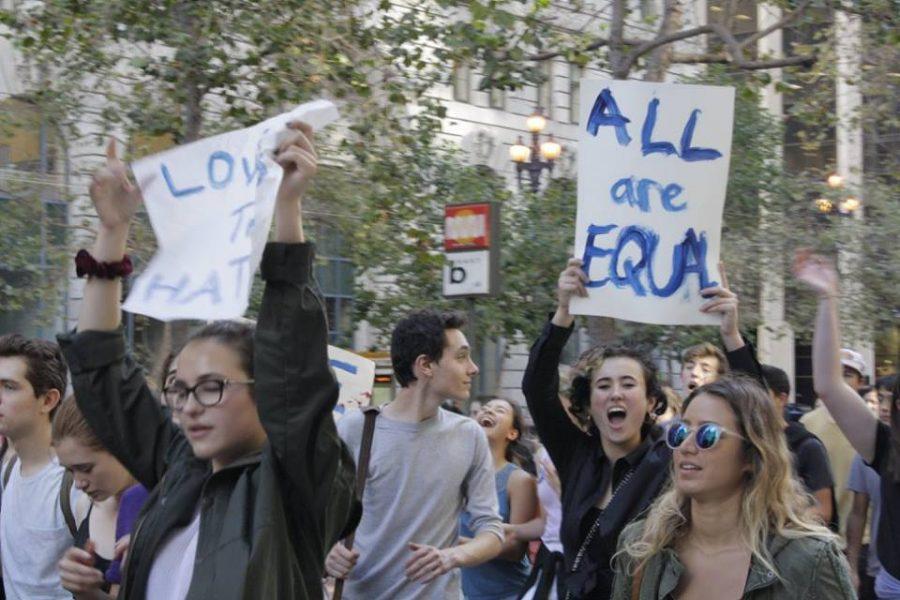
846	206
537	157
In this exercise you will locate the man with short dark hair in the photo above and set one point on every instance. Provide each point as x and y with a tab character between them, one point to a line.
810	458
427	466
34	532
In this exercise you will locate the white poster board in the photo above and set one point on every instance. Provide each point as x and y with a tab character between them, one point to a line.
356	376
211	204
652	173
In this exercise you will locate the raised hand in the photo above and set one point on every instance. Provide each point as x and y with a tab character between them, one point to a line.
297	156
571	283
725	302
816	271
115	198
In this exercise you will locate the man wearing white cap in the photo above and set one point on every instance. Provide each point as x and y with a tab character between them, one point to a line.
840	453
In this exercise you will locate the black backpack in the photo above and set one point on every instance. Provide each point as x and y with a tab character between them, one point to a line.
797	435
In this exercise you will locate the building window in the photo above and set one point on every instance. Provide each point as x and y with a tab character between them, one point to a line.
497	98
335	274
575	74
545	89
462	82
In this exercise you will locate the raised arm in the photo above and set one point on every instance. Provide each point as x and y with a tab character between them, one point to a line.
110	388
722	300
295	389
845	405
540	383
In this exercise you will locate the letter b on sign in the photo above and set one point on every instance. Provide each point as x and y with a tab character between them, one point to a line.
467	273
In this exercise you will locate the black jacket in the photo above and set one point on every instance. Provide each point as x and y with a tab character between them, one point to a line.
579	459
268	520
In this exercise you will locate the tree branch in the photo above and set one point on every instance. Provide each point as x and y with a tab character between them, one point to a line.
784	22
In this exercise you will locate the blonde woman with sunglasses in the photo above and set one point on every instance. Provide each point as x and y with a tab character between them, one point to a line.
735	523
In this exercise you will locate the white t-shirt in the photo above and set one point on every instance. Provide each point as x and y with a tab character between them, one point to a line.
34	534
173	567
549	502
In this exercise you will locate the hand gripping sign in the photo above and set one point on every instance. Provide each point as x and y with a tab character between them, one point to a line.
356	376
652	173
211	204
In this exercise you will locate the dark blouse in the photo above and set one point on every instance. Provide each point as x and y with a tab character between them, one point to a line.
889	522
585	473
81	538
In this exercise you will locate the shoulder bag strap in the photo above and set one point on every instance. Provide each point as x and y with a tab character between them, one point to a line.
65	501
7	473
362	471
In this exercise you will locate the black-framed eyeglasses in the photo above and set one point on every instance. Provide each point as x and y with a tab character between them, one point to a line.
208	392
706	436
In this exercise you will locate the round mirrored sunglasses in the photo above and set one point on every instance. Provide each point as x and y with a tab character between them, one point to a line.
706	436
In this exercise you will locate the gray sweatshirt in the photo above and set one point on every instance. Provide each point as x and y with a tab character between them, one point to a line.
421	477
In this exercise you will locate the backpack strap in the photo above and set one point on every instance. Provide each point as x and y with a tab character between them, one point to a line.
362	472
65	501
7	473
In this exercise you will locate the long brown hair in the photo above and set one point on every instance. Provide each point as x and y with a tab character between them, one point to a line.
70	422
773	500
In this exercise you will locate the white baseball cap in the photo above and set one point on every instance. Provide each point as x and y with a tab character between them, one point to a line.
854	360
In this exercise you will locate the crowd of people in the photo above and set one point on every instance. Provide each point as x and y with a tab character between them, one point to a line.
233	480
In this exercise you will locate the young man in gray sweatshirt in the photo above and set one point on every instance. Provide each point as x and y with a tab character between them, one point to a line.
427	466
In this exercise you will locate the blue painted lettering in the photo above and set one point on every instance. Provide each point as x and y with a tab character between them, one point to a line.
156	285
606	112
624	190
648	146
259	170
241	275
171	184
689	256
215	157
239	213
688	152
210	288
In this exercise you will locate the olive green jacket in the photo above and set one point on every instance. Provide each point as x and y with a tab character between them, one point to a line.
809	568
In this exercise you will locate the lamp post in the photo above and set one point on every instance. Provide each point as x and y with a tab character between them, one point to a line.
845	206
538	156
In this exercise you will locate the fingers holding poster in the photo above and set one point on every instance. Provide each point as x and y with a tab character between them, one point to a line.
652	174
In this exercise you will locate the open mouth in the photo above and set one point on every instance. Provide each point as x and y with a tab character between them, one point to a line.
486	421
687	466
616	415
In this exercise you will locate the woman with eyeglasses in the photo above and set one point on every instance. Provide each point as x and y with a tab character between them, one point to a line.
254	485
876	442
735	523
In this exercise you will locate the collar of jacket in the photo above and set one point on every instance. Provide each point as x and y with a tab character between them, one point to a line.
759	576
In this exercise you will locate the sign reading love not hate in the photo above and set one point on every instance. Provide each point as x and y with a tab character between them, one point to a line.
211	204
652	174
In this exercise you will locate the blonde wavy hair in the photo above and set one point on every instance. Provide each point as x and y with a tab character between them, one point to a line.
773	502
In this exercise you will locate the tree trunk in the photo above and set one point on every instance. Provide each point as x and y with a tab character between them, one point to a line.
659	60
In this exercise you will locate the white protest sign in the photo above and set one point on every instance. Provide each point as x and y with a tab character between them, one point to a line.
211	204
355	375
652	173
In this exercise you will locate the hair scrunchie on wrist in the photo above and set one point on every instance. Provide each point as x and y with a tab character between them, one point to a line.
88	266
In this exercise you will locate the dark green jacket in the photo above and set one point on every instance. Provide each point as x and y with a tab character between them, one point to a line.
809	568
268	520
